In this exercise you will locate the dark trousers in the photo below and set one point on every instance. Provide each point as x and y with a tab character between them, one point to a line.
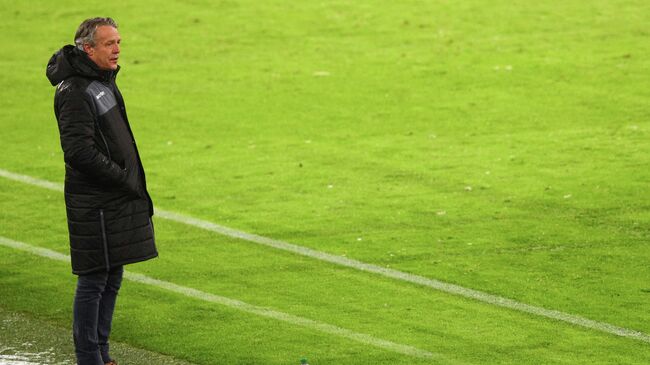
94	302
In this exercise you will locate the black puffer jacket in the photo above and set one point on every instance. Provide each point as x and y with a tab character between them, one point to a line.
108	207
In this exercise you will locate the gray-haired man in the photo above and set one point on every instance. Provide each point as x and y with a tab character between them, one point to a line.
108	207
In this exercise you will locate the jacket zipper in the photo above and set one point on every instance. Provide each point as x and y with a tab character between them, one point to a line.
105	241
101	134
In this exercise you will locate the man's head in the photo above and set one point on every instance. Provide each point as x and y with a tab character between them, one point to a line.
99	38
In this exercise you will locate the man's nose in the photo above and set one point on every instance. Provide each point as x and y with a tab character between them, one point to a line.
116	48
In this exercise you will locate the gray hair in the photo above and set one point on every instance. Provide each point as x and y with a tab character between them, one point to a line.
86	31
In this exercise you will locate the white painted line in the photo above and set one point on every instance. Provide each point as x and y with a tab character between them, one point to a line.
239	305
403	276
391	273
44	252
31	180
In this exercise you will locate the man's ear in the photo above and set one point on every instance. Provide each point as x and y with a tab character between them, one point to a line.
88	49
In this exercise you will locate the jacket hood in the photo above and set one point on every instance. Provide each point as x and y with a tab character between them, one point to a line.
70	61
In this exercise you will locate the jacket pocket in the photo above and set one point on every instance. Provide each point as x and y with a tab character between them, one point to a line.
101	134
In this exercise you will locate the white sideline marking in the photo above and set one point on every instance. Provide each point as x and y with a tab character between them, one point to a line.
239	305
31	180
358	265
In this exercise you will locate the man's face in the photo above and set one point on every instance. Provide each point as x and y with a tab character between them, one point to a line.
107	47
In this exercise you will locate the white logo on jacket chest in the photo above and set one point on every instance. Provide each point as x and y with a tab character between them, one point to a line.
101	93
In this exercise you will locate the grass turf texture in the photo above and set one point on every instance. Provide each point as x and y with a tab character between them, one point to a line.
358	128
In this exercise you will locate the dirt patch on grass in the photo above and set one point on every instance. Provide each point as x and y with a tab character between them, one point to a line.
25	340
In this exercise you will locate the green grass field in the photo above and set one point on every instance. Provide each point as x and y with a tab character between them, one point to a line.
500	146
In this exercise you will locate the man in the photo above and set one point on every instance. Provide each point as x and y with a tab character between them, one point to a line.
108	207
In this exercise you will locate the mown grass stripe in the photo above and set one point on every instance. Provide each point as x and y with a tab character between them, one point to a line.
359	265
239	305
